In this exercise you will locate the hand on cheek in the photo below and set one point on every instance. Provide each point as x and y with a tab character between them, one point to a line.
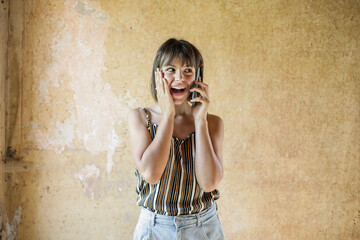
165	100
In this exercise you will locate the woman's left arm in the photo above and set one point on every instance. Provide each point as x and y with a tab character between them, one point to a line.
209	134
208	157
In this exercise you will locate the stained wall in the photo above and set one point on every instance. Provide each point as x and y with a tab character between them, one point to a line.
284	76
4	9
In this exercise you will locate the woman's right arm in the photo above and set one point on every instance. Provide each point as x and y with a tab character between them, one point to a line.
150	156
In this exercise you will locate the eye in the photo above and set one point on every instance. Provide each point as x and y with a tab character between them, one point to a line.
188	70
170	69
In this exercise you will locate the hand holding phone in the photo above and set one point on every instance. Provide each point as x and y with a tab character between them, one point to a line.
196	94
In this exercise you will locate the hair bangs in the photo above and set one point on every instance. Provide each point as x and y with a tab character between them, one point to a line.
185	53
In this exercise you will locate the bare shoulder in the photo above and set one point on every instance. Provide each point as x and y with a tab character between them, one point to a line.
135	116
215	122
154	108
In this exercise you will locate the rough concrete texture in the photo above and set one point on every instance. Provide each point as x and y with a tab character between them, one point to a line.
284	76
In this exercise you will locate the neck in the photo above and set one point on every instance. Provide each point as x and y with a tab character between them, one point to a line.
182	109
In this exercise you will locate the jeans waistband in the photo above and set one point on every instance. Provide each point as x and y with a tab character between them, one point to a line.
179	221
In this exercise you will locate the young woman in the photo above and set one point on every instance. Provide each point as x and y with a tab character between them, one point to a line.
177	150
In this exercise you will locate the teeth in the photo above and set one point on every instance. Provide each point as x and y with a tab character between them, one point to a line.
178	87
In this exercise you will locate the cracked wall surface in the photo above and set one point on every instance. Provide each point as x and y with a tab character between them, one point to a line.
284	76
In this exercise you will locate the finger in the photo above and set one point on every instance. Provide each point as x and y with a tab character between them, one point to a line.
159	81
157	76
199	99
163	82
161	76
201	91
202	84
156	81
166	86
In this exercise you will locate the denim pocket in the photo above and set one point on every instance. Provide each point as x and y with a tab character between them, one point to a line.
213	228
142	231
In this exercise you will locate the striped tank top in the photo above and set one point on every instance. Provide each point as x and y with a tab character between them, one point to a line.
177	192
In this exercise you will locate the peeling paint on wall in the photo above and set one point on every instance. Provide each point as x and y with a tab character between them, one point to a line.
11	230
89	177
78	54
86	9
61	135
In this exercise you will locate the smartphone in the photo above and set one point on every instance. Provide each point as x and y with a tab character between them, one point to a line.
196	94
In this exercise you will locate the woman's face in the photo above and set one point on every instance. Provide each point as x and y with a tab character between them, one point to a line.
180	78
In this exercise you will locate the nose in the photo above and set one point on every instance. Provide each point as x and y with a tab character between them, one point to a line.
178	75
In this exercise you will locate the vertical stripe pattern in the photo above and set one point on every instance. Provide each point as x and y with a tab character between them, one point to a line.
177	192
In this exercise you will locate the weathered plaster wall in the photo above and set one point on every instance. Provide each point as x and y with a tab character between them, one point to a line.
284	75
4	9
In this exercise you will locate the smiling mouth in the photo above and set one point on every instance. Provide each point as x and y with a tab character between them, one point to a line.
177	90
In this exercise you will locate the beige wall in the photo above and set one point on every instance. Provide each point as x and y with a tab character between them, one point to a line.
284	76
4	9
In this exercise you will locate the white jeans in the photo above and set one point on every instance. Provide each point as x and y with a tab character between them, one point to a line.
204	225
